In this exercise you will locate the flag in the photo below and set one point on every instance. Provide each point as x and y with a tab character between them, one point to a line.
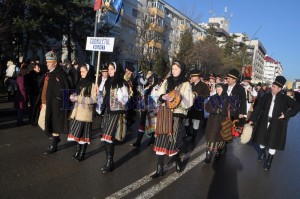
117	4
97	4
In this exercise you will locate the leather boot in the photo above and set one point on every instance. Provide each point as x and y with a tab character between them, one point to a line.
152	139
106	153
159	171
268	162
138	139
76	154
224	150
261	155
178	163
194	135
53	147
82	152
208	157
218	154
187	132
109	167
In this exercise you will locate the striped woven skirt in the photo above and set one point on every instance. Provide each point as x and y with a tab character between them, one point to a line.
110	126
215	146
166	144
80	131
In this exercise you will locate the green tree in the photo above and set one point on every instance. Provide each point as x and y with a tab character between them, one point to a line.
185	46
161	65
36	23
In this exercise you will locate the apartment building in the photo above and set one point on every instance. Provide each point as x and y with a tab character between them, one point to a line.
272	69
147	26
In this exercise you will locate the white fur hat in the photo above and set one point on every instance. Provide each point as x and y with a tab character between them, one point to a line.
247	134
9	63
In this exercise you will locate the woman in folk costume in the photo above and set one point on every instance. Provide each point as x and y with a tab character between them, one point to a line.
169	120
82	114
116	95
148	112
217	107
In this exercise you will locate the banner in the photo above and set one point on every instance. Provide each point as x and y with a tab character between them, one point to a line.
103	44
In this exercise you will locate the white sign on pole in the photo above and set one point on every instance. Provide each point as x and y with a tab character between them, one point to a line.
103	44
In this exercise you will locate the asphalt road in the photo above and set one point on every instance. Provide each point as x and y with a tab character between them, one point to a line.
25	172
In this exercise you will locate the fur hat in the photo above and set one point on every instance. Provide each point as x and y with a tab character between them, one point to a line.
247	133
9	63
51	56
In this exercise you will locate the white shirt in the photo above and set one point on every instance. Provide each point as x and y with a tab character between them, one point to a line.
272	106
102	84
229	90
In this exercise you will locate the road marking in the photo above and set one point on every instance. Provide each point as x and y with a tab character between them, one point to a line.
170	179
139	183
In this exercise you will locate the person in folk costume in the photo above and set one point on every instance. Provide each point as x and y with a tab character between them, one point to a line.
148	112
237	98
270	118
166	143
196	112
116	95
82	113
212	84
141	82
21	95
134	98
250	93
56	117
101	85
217	106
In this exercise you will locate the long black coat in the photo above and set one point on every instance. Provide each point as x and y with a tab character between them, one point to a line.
273	137
237	100
197	110
217	107
57	100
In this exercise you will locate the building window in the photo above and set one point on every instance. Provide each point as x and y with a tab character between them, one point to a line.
134	13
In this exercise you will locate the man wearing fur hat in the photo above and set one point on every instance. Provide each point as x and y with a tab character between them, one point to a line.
196	112
250	92
55	83
270	118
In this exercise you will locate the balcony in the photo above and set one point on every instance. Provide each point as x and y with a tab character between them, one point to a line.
156	11
182	27
156	27
155	44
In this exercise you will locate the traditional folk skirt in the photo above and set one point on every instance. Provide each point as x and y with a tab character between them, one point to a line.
166	144
114	127
150	122
215	146
80	131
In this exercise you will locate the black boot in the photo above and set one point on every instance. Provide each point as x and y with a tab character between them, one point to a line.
178	163
261	155
208	157
152	139
76	154
53	147
224	150
187	132
268	162
194	135
109	167
82	152
218	154
159	171
138	139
